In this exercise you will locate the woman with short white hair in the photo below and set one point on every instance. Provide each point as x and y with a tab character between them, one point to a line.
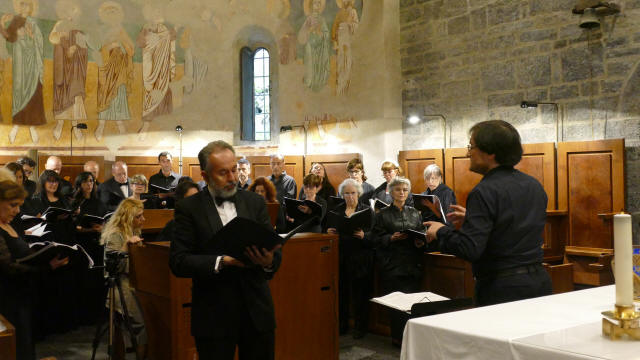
356	262
399	256
433	179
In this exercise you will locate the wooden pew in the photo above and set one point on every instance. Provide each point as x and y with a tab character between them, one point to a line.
304	290
7	340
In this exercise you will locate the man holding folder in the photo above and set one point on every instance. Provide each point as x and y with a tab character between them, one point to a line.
231	301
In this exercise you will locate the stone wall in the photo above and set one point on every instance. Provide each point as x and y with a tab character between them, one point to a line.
473	60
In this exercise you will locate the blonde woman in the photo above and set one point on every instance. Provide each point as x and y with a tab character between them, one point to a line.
140	188
122	231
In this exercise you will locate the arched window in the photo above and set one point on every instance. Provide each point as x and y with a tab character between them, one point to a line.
256	94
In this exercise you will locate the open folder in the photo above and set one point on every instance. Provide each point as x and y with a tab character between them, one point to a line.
241	233
428	204
403	302
362	219
44	251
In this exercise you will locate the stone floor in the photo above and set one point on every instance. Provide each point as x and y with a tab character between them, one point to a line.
76	345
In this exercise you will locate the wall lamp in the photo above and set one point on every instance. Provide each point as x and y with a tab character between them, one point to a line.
287	128
79	126
534	104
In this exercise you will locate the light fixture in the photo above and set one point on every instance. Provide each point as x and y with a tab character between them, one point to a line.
592	11
534	104
79	126
413	119
179	130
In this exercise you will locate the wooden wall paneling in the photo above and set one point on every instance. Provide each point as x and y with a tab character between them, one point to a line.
457	174
145	165
294	166
448	276
72	165
335	165
191	168
413	163
539	161
591	182
5	159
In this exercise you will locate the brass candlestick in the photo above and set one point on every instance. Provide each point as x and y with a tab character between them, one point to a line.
626	320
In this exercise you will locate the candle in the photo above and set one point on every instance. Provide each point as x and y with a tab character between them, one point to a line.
623	266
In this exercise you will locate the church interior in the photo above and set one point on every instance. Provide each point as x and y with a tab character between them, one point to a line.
329	81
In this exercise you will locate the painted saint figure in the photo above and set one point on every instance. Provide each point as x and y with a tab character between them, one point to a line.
115	74
314	35
344	26
23	32
158	44
70	57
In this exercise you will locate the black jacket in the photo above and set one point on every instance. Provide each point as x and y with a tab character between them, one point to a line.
110	194
220	300
356	255
381	193
402	257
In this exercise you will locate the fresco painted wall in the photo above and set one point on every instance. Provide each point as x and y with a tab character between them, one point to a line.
134	70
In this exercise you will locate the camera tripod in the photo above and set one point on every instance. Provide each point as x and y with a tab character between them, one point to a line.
113	282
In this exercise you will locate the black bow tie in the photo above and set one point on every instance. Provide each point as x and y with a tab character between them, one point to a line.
219	200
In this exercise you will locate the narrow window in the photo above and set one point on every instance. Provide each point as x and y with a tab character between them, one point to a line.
256	94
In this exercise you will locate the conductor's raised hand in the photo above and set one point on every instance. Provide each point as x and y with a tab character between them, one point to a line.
457	214
261	257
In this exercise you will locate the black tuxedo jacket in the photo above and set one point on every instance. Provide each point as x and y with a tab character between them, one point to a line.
220	301
110	194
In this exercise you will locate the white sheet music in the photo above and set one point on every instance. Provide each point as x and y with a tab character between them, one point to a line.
403	302
37	230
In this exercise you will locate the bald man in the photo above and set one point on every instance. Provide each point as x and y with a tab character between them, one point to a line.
93	167
116	189
55	163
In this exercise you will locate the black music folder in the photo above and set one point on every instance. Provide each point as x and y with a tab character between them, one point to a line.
88	220
241	233
415	234
377	204
44	251
52	213
334	201
348	225
291	206
161	190
429	204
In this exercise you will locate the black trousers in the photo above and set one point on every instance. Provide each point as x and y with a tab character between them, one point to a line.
354	291
252	345
490	291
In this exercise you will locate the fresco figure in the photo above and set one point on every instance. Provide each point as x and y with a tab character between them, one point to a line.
158	44
23	32
70	57
344	26
115	73
315	37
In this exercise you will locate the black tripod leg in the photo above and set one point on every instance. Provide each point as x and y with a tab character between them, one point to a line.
100	327
126	317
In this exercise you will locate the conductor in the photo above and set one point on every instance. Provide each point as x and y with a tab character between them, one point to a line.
503	224
231	301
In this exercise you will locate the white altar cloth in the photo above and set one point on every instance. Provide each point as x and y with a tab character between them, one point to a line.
563	326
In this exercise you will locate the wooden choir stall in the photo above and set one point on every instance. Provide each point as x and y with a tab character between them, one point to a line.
304	291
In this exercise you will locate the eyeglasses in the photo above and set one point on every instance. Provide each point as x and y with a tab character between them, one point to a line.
471	147
388	171
140	184
354	172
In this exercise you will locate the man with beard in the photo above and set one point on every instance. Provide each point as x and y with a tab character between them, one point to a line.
231	301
